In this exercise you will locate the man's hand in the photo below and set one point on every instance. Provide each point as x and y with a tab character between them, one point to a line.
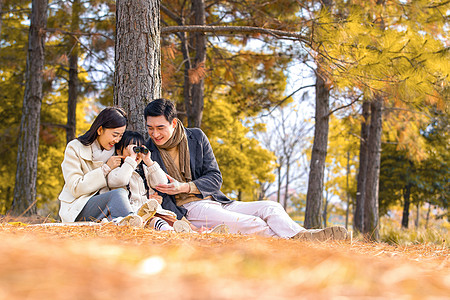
174	187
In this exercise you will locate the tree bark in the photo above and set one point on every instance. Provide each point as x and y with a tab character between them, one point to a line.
358	219
73	74
314	197
194	104
137	58
27	153
406	204
371	228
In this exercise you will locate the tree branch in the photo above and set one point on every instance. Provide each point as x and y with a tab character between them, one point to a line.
239	29
287	97
344	106
57	30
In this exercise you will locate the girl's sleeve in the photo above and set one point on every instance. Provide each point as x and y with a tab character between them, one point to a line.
120	176
155	175
78	182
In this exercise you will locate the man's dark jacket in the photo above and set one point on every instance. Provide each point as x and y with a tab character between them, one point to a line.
204	170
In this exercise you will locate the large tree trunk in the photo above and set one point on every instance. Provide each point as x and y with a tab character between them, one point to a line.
314	197
27	153
406	203
137	58
371	228
73	74
358	219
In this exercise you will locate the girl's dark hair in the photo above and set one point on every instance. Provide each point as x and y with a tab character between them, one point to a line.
130	137
110	117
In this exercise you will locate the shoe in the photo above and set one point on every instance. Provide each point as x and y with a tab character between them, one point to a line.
221	228
131	220
334	233
182	226
148	210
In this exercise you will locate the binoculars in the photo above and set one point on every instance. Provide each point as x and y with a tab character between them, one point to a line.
140	149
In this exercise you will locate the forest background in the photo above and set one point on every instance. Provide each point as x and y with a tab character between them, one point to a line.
362	63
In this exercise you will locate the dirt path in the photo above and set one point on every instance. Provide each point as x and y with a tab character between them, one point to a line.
109	262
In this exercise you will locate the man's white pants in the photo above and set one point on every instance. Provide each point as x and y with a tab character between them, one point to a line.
266	218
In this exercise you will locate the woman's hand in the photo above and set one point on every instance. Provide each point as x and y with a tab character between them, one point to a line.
174	187
114	161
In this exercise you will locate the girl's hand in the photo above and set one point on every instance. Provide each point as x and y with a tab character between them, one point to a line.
156	197
131	153
114	161
146	158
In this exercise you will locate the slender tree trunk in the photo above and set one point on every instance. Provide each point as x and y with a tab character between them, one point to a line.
371	228
347	211
406	203
428	216
416	222
314	197
279	185
194	104
187	66
1	16
325	210
73	74
27	153
358	219
286	187
137	58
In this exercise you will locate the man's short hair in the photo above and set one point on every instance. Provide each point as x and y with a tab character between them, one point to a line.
161	107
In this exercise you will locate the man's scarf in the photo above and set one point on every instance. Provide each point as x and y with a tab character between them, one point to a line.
178	138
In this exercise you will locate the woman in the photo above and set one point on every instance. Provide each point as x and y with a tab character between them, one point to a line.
86	165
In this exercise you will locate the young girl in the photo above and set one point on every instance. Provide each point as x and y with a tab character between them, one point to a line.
87	162
138	173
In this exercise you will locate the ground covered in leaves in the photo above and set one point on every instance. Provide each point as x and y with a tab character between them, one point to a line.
110	262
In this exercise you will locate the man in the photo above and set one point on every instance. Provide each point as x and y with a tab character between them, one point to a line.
194	183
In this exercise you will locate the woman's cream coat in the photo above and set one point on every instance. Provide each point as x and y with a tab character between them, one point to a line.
126	175
83	179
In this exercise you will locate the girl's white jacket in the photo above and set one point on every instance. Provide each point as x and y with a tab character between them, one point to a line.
126	175
83	178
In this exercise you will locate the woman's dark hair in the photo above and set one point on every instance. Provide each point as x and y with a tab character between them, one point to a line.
128	138
110	117
161	107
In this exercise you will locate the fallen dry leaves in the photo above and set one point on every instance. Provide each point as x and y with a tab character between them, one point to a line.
110	262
